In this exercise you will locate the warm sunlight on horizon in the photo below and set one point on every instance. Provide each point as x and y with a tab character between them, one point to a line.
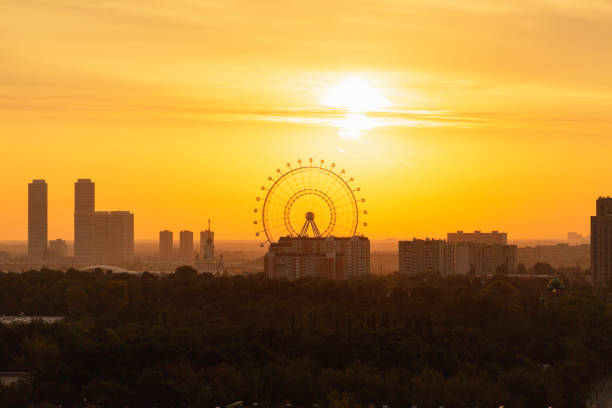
451	115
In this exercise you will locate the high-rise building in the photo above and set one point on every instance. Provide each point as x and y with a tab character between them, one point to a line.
58	248
421	255
449	258
207	244
84	222
477	237
121	236
186	246
329	257
166	245
206	261
101	243
601	242
114	236
37	219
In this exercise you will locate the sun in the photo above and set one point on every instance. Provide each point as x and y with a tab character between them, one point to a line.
356	95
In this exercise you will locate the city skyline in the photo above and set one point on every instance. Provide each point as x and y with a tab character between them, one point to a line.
439	233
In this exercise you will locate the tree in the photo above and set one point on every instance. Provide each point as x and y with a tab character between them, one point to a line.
76	299
542	268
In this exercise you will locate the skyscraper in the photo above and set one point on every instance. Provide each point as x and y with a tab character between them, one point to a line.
84	223
37	219
114	236
120	236
207	244
166	244
601	242
186	246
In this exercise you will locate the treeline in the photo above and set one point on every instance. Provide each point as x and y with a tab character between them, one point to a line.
188	340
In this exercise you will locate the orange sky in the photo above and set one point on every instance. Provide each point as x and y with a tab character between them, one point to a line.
498	116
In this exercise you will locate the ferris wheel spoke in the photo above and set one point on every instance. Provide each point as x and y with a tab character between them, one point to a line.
309	189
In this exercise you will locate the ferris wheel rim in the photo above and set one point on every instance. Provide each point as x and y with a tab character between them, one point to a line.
353	200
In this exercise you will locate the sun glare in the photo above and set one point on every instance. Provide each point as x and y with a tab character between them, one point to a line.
355	94
358	97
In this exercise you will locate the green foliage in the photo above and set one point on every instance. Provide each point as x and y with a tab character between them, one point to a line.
194	340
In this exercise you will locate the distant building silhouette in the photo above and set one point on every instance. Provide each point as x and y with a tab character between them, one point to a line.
329	257
84	220
601	242
449	258
37	219
574	238
166	245
421	255
207	244
113	236
186	246
58	248
206	261
559	255
477	237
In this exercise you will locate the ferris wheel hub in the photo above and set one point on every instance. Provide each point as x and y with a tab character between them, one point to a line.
295	196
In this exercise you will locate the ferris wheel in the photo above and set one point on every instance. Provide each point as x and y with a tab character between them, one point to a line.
311	200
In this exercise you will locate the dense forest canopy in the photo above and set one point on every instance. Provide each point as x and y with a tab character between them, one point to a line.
193	340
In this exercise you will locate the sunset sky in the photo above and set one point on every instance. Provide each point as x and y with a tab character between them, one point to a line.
450	115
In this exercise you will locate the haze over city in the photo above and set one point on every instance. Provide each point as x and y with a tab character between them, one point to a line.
465	115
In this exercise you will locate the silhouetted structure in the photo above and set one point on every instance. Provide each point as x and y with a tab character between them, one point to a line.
601	242
114	236
421	255
477	237
166	245
559	255
58	248
84	220
574	238
207	244
37	219
330	257
449	258
186	246
206	262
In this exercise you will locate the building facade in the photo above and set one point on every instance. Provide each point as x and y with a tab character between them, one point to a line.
37	220
422	255
449	258
166	245
113	237
560	255
329	257
186	246
84	221
477	237
207	244
58	248
206	262
601	242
